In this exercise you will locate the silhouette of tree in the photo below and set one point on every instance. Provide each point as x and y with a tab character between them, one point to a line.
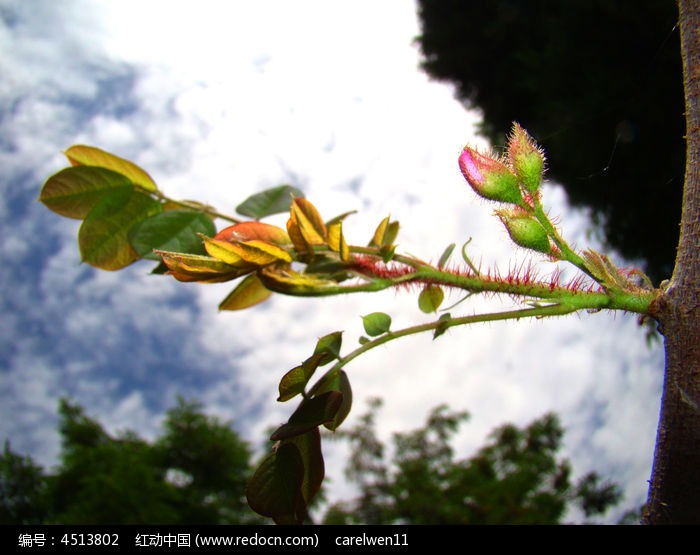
598	84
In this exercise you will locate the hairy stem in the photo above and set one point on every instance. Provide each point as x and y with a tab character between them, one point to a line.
444	324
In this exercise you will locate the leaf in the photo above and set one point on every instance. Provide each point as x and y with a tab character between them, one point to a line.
310	414
442	326
73	192
249	231
430	298
196	267
385	234
329	346
175	230
376	323
308	221
248	293
309	446
336	241
445	256
336	381
81	155
294	381
274	490
268	202
340	217
224	251
284	280
103	235
262	253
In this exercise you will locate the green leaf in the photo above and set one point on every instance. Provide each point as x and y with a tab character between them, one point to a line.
268	202
335	381
442	326
329	345
310	414
430	298
339	382
294	381
73	192
445	256
81	155
309	446
104	234
174	230
274	490
247	293
340	217
376	323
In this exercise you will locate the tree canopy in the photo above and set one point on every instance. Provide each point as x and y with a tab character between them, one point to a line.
514	479
598	84
196	473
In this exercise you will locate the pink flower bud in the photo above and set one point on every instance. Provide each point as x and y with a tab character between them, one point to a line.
526	157
489	177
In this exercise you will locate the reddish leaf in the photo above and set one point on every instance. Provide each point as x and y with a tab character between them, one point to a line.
249	231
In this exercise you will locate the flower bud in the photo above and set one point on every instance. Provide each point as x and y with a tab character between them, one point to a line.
526	157
489	177
526	231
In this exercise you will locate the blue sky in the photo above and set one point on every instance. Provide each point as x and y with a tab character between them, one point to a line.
218	100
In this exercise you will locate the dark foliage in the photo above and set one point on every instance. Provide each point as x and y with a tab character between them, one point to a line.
599	86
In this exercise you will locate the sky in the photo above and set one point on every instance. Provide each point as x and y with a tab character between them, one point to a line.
219	100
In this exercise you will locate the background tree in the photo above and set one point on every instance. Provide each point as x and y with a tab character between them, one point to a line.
597	83
195	473
514	479
23	497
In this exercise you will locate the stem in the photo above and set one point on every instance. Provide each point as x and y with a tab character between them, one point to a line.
674	491
535	312
196	206
635	300
567	253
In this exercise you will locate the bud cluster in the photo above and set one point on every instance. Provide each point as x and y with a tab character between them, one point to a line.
514	179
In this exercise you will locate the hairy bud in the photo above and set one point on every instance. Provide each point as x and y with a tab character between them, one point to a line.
526	157
489	177
526	231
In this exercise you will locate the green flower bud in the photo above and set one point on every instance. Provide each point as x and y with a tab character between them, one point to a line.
526	157
526	231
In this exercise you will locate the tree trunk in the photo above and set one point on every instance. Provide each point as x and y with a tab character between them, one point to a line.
674	492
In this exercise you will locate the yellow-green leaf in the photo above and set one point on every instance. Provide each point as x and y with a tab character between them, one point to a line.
309	221
336	241
81	155
206	269
376	323
430	298
248	293
285	280
263	253
229	253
